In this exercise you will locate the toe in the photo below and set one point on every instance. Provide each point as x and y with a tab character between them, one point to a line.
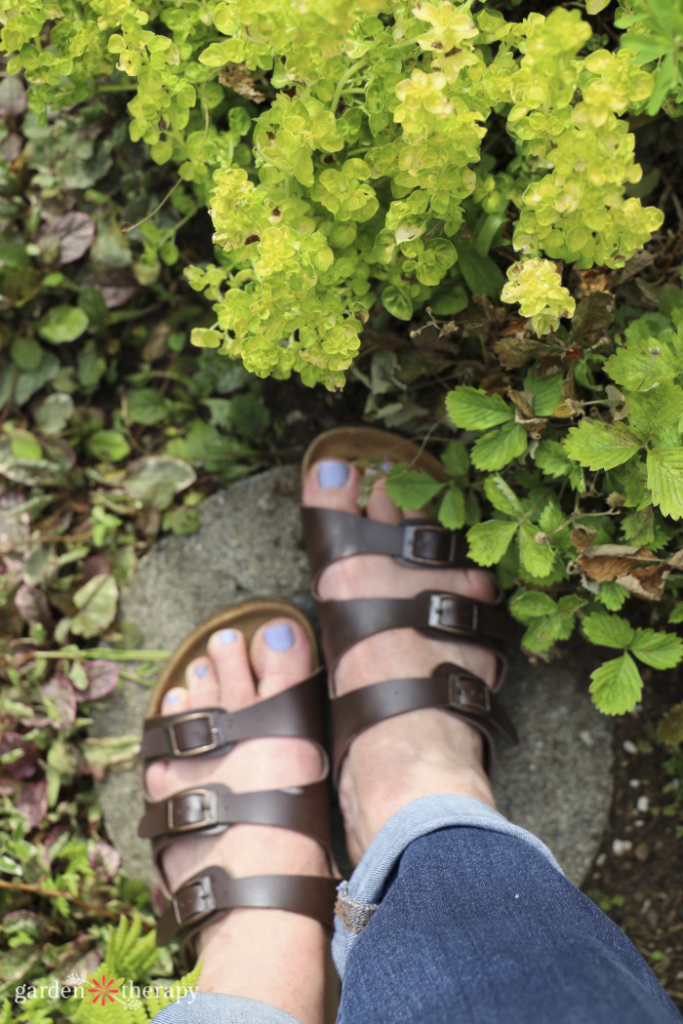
281	654
230	656
380	506
332	483
202	683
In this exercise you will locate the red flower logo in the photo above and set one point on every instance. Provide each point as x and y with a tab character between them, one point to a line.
103	990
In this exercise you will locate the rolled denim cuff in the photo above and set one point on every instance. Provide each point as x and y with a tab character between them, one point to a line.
215	1008
358	899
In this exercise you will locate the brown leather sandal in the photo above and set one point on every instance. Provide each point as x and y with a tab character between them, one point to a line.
420	543
204	810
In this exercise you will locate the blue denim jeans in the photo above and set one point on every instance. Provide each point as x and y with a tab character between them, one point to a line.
455	914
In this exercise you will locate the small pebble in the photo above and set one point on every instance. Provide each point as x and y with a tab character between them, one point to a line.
634	783
621	846
586	738
600	860
532	767
639	823
642	852
643	804
630	747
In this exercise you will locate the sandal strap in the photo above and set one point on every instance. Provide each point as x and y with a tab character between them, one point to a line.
419	543
208	809
449	687
297	711
212	892
432	612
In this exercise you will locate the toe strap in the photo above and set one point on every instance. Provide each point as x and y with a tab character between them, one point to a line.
297	711
449	688
212	808
432	612
213	892
330	535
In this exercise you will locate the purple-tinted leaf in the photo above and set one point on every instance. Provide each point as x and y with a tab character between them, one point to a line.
94	566
32	802
32	606
116	286
22	921
25	766
12	96
60	690
102	678
16	963
67	238
11	147
106	858
14	528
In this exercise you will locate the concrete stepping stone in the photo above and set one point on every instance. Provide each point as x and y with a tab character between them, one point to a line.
557	783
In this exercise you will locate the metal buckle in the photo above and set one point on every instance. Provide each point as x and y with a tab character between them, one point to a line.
410	542
192	751
205	894
456	693
209	808
441	606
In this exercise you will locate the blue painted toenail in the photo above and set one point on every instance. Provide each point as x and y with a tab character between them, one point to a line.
386	466
227	636
171	698
279	638
332	474
201	670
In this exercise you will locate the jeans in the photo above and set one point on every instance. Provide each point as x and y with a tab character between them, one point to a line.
456	916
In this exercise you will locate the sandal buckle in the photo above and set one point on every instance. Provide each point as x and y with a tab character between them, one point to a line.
212	731
193	901
451	615
176	811
469	693
413	537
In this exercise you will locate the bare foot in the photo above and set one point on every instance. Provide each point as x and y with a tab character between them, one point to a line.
425	752
271	955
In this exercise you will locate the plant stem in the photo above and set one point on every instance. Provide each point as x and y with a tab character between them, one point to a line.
55	894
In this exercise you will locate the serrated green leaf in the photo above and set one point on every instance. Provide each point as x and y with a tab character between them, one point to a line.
601	445
546	391
642	362
552	459
490	540
455	459
656	648
472	409
665	480
612	595
411	490
497	448
650	412
452	509
639	527
676	615
552	517
607	630
536	558
527	605
544	633
501	496
616	686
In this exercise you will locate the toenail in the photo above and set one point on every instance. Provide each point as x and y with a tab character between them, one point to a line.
279	638
227	636
332	474
386	466
201	670
171	697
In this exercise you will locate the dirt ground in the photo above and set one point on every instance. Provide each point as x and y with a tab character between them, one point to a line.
637	877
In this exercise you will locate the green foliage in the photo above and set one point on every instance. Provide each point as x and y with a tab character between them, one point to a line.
630	441
653	32
339	151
